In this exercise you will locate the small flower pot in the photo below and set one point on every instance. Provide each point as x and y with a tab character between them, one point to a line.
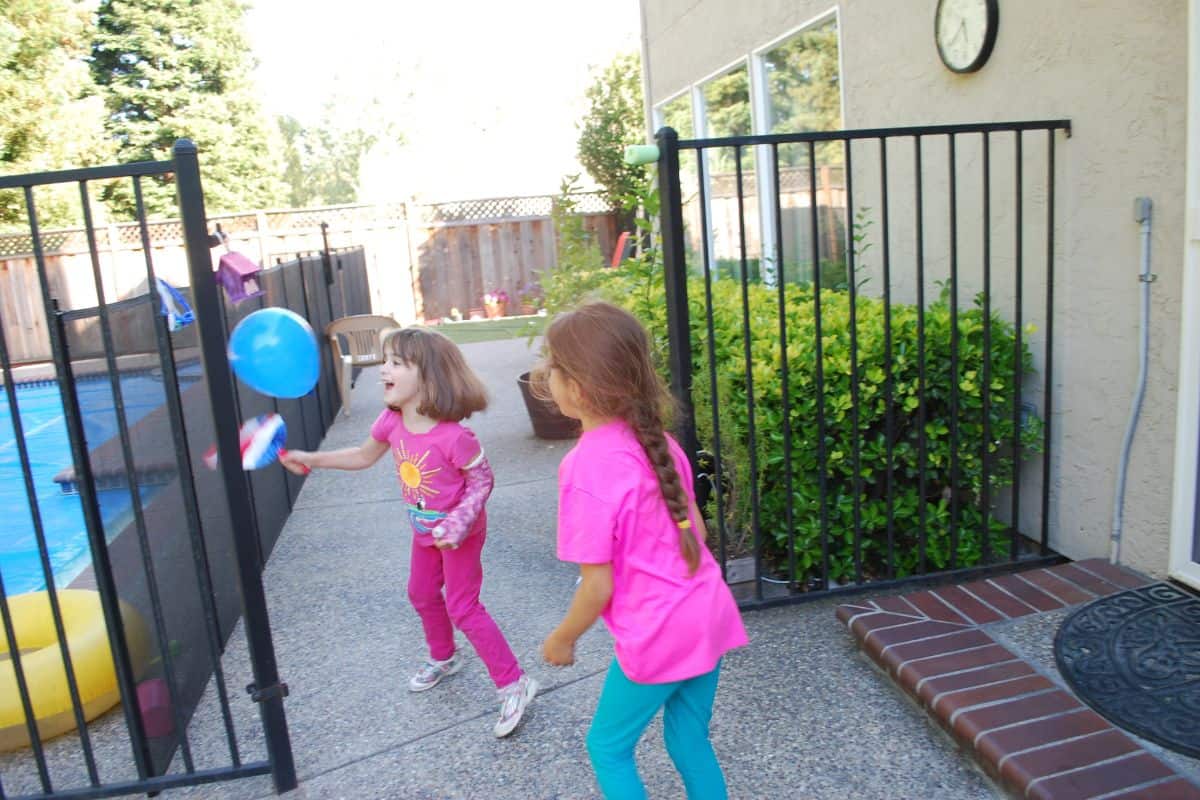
548	421
495	310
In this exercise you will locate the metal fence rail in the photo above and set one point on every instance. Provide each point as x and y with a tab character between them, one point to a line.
175	573
866	412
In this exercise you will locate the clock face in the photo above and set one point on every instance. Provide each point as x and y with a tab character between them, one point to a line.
965	31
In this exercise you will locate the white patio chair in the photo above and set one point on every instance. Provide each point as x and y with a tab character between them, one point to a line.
356	341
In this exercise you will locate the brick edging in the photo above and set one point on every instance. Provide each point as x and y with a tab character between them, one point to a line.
1036	739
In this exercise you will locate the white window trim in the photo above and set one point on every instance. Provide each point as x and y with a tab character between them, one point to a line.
700	124
760	112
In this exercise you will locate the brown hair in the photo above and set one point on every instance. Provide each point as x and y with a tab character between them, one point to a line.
450	390
605	350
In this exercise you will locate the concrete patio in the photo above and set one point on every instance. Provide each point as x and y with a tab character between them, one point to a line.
800	713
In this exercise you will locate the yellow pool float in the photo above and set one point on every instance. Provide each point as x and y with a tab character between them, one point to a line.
41	661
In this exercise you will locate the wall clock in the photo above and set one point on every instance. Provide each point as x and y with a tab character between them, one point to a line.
965	31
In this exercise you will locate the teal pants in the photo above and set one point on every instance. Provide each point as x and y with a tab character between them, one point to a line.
625	710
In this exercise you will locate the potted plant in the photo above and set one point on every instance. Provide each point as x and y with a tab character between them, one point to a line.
548	422
530	298
577	263
495	303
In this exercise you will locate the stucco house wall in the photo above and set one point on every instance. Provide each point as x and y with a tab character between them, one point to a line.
1118	71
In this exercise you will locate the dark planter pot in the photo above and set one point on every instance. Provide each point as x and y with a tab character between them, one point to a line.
548	422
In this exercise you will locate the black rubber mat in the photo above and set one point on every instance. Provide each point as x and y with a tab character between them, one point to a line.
1135	658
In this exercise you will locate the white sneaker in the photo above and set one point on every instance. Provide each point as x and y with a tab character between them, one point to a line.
432	672
514	699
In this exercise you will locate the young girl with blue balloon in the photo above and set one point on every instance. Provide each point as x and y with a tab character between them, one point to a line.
445	480
627	515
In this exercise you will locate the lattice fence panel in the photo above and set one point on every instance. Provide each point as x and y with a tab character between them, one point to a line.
21	244
501	208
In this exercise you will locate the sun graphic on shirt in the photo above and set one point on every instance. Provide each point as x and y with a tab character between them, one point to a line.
415	477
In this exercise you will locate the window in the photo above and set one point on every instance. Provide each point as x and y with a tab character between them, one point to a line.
677	114
802	87
803	84
726	112
789	86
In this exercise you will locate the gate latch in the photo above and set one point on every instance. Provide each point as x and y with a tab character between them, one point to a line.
279	690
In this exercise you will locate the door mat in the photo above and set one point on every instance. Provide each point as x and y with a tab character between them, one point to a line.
1135	658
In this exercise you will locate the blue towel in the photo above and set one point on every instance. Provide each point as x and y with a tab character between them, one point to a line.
174	307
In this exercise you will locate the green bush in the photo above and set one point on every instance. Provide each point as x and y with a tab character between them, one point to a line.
947	486
842	431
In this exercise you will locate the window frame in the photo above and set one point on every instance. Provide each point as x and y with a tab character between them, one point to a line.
760	113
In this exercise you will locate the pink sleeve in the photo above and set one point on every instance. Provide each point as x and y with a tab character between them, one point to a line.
464	449
587	527
385	423
457	523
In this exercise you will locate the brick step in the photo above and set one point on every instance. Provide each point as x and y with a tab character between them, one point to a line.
1033	737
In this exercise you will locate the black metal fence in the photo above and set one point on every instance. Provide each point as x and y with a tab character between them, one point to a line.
175	550
877	410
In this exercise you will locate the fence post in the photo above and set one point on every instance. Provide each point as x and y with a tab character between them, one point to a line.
114	259
675	281
267	689
414	263
261	229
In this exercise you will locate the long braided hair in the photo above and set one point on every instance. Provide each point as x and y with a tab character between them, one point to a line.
606	351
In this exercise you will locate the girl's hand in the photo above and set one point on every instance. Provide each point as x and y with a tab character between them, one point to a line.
297	462
557	651
444	544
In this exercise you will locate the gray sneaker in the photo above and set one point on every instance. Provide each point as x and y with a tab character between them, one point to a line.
431	673
514	699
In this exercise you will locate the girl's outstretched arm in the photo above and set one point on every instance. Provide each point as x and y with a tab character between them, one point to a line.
591	598
361	457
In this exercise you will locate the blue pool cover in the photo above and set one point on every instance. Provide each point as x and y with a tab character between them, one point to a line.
45	429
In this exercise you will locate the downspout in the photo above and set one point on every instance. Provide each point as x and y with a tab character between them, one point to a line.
1141	215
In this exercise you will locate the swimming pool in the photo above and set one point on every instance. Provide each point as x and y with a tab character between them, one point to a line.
41	414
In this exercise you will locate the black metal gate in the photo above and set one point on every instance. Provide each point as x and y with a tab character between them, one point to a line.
180	561
853	318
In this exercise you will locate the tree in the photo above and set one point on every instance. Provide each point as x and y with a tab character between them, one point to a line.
613	120
48	120
323	163
171	69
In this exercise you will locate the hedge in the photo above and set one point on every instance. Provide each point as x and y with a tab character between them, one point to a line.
846	478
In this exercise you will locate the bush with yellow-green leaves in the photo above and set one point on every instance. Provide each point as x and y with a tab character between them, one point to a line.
863	382
915	483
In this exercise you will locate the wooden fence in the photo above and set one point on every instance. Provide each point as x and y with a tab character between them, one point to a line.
422	260
467	249
267	237
730	216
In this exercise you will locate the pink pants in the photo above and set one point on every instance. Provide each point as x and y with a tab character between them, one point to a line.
460	571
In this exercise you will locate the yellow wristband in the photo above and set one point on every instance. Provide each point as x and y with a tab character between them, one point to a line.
684	525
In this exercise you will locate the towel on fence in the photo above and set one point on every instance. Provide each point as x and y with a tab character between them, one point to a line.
173	306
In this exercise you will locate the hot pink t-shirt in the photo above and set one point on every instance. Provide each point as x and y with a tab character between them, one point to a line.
666	625
430	468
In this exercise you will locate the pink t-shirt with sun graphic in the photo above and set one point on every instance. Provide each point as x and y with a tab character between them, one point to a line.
430	468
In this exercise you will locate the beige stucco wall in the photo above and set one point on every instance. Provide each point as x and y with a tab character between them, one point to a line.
1117	70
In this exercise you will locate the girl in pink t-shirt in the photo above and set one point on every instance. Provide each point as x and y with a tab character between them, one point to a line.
445	481
627	515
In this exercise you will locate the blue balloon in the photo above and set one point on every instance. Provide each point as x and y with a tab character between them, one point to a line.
274	352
